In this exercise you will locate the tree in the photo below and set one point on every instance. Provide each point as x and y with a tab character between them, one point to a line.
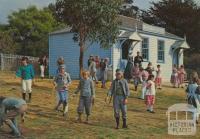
178	17
90	20
31	26
7	45
129	9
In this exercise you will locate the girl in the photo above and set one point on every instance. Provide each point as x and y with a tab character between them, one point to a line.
150	68
61	82
143	78
181	76
174	76
87	95
136	75
158	79
150	94
93	70
103	71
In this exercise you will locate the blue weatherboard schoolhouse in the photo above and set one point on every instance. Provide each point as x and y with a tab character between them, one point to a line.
155	44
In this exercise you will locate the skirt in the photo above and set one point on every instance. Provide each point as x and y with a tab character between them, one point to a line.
149	99
158	80
174	79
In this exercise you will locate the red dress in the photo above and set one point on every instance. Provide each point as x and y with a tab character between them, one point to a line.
158	79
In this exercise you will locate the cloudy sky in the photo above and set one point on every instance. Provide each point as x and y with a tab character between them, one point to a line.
8	6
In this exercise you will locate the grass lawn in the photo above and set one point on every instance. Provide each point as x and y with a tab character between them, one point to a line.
42	122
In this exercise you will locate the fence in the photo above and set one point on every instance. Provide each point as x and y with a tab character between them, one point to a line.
9	62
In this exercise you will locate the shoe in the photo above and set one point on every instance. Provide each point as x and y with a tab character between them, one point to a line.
148	110
117	123
124	123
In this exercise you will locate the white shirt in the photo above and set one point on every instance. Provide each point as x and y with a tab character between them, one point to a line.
151	89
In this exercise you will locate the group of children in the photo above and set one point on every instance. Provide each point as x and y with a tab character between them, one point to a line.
119	89
178	76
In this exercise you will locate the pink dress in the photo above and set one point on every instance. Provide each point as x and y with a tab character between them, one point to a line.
151	92
181	75
158	79
136	75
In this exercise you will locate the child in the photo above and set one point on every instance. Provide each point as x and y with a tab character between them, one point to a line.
135	75
87	95
10	108
62	81
143	77
150	94
174	76
192	94
150	68
120	92
26	73
181	76
103	72
93	70
158	79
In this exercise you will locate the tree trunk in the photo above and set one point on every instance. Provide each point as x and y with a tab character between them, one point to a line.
82	43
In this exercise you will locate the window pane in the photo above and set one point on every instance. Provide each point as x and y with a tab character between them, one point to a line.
145	48
161	52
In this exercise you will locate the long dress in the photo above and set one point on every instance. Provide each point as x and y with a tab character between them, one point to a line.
128	70
181	75
174	77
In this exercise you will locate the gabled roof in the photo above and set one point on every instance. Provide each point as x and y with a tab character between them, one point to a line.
64	30
129	25
180	44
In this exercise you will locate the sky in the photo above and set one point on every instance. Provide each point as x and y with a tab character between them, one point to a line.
8	6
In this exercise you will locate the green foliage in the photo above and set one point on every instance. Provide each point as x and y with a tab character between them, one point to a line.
97	20
7	45
93	20
30	28
129	9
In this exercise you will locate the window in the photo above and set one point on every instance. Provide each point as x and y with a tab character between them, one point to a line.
161	51
145	49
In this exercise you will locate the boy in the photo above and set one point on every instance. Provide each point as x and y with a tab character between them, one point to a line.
87	95
120	92
26	73
62	81
10	108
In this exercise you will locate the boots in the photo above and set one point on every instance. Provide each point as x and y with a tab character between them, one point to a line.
65	109
117	122
87	119
79	118
135	88
56	108
29	97
24	96
124	123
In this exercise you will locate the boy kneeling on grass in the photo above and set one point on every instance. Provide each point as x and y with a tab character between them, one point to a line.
61	82
87	95
120	92
10	108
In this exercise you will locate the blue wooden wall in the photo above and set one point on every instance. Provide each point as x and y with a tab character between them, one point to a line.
64	45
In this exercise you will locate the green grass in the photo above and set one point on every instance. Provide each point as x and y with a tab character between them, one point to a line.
42	122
